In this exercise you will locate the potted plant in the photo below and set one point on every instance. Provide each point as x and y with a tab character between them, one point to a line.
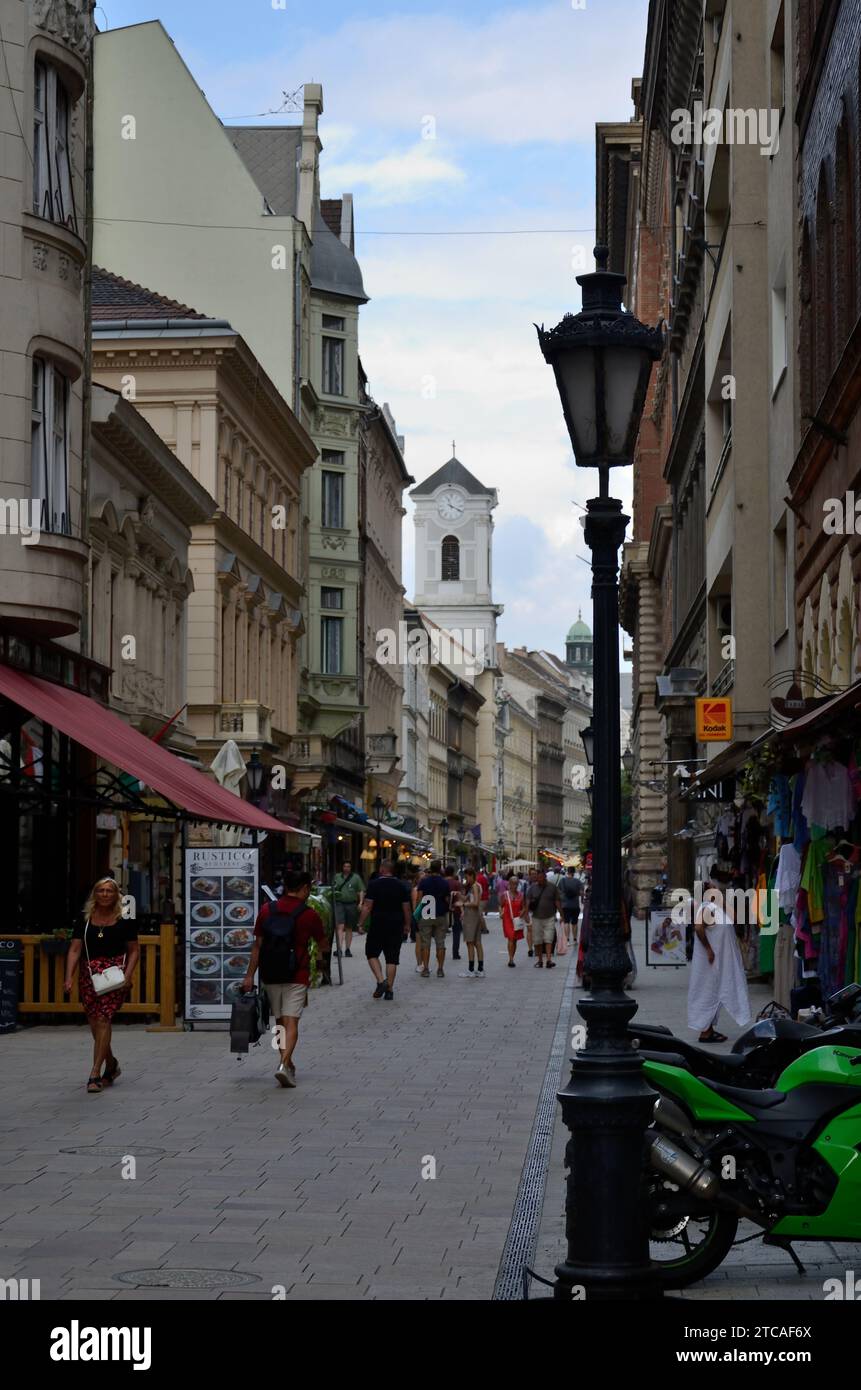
57	943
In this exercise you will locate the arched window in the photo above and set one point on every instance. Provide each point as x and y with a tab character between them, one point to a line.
450	558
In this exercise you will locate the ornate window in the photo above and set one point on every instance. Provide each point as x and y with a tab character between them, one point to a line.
333	366
53	196
332	646
49	445
450	559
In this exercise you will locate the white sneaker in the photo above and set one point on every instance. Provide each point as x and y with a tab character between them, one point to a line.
286	1076
467	974
419	969
480	975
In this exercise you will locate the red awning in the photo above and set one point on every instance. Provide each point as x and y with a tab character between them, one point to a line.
105	734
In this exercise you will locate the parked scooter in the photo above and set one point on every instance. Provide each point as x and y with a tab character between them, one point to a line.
786	1159
765	1049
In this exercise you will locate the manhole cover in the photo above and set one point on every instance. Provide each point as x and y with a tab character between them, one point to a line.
186	1278
108	1151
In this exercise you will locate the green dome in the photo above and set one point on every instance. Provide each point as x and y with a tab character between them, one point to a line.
579	632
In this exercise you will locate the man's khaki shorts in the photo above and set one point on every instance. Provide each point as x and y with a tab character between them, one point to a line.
286	1001
435	927
543	931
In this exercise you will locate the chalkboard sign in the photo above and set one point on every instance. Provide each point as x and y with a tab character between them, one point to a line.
10	963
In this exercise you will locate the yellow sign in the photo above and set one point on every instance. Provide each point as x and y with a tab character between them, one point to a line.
714	720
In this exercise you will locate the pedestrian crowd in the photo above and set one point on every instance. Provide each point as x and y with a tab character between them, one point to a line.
434	908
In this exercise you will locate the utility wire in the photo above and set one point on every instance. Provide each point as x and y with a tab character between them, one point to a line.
248	227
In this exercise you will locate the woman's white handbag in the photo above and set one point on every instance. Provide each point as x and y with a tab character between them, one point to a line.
105	981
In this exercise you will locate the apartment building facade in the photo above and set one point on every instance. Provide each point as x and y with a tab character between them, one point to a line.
197	384
824	609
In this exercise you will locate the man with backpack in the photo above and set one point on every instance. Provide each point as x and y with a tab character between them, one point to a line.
283	934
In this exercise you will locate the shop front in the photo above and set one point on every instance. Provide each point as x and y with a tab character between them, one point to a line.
790	837
76	782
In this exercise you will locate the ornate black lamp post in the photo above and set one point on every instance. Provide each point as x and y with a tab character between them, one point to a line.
443	826
602	358
379	810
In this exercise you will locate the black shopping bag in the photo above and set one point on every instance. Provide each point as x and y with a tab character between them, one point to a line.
246	1021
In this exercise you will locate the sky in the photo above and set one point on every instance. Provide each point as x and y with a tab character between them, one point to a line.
466	134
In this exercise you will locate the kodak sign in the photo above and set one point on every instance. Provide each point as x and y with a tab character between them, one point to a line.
714	720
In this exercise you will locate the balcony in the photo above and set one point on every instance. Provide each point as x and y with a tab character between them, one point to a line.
382	753
246	722
42	584
724	680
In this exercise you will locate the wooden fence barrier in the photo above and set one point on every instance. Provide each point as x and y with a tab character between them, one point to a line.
153	988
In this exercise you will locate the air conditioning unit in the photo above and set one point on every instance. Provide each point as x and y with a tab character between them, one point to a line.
724	615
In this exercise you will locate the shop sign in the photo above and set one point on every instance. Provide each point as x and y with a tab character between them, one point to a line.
714	720
107	820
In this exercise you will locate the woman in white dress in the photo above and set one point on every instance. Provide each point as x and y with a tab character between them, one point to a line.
717	978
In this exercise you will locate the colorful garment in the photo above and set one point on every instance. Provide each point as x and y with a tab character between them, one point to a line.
780	805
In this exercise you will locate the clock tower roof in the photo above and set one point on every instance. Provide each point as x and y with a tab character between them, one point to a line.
454	474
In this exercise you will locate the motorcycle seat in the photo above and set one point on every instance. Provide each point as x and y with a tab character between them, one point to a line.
730	1060
746	1099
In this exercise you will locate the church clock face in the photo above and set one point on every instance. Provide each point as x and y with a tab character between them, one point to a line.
450	506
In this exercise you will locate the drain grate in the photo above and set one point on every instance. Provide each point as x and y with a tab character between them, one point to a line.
109	1151
186	1278
519	1250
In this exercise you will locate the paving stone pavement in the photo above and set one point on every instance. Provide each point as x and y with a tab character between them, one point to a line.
317	1191
750	1271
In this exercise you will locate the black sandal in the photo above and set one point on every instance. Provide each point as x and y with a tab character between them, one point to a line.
111	1073
94	1085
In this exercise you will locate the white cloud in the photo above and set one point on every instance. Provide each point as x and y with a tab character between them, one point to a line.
395	178
535	73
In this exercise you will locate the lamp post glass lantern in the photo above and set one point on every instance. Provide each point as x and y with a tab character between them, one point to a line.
588	737
628	761
602	360
255	772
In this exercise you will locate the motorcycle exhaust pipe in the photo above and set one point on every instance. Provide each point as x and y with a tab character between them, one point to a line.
683	1169
690	1175
668	1115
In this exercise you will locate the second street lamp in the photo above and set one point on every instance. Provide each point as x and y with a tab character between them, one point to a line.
602	359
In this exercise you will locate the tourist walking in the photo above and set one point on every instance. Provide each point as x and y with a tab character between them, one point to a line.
473	921
455	904
387	903
349	889
109	943
433	895
510	911
531	881
542	904
282	952
717	979
570	893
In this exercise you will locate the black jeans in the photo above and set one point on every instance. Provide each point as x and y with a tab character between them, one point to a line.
455	934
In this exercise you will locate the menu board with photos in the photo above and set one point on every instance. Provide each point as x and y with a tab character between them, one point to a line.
221	896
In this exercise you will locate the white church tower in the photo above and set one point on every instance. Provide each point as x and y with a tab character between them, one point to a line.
454	554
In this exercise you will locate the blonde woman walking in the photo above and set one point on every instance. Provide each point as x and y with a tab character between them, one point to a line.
106	940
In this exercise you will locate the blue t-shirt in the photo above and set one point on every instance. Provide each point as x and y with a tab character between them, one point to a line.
436	887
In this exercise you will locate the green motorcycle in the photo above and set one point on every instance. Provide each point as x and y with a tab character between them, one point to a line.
787	1159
